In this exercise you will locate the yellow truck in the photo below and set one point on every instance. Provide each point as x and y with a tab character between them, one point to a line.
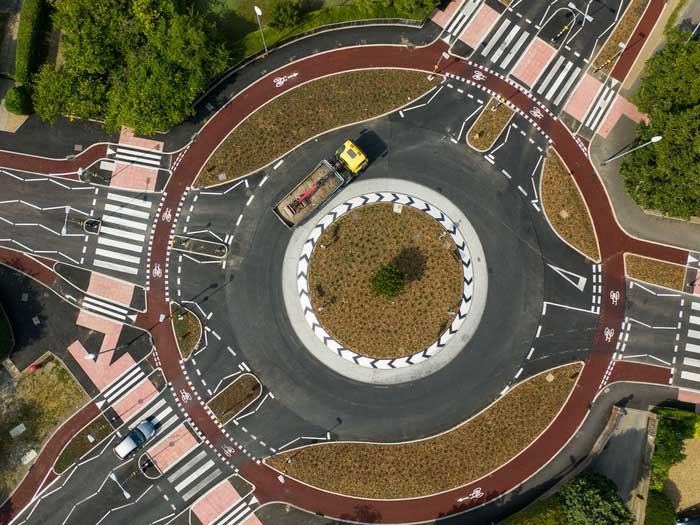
325	179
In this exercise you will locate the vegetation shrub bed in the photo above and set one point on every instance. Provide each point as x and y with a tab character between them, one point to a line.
32	21
43	399
606	58
565	208
307	111
235	397
661	273
490	124
99	429
442	462
188	329
344	265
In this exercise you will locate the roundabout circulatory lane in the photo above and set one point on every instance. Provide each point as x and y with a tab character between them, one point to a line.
416	365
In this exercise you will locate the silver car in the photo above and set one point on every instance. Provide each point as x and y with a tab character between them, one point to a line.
135	439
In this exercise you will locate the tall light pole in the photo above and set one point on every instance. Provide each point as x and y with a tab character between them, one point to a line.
258	14
655	139
444	55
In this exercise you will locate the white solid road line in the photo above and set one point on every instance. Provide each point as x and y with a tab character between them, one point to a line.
690	347
116	267
139	153
106	304
550	75
122	233
136	248
123	210
495	37
116	255
129	200
125	222
690	376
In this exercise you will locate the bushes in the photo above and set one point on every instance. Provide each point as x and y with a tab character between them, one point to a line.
660	510
285	14
388	281
31	24
19	100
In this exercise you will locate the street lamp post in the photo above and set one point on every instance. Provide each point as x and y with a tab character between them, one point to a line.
258	14
654	139
444	55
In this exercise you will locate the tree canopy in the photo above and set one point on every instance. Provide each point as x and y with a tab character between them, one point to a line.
666	176
138	63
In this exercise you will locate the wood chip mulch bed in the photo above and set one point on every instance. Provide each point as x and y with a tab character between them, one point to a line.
684	477
99	429
621	33
352	249
661	273
188	329
443	462
565	208
307	111
235	397
489	126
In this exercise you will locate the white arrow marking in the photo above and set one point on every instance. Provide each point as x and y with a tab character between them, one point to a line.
580	281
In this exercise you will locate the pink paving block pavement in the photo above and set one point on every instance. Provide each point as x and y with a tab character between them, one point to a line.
111	329
480	24
137	398
689	397
441	18
583	97
173	447
132	177
112	289
215	502
128	138
100	372
621	106
252	520
533	61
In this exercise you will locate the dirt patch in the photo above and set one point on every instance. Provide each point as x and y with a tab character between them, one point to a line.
490	124
188	329
43	399
442	462
684	477
565	208
235	397
660	273
81	443
307	111
349	253
610	53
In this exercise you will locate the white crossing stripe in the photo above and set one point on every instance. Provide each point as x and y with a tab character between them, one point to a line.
148	413
162	427
123	210
695	306
454	28
599	110
236	515
550	75
137	160
199	486
116	255
690	361
513	50
567	86
161	415
690	376
198	472
122	233
514	31
105	308
184	468
694	319
695	334
106	304
116	267
125	222
495	37
559	79
129	200
136	248
136	371
690	347
140	153
113	396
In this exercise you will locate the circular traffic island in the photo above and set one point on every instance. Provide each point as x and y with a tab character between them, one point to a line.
385	280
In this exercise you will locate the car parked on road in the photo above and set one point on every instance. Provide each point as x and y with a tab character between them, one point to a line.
135	439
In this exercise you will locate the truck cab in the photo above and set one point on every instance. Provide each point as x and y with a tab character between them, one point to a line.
351	157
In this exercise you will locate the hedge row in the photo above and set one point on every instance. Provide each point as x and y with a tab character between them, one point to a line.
30	30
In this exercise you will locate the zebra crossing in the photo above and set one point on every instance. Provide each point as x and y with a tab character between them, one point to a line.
602	102
558	80
197	472
454	29
121	386
238	513
149	159
124	224
161	415
689	365
505	43
105	307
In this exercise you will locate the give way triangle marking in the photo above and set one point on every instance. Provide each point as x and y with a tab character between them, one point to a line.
573	278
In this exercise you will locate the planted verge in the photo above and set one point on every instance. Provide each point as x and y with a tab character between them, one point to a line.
611	51
42	400
187	328
305	112
490	124
652	271
83	442
235	397
565	208
443	462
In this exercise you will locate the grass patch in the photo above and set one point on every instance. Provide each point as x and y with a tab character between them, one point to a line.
42	401
660	273
235	397
348	255
188	329
7	340
622	33
490	124
565	208
99	429
442	462
313	108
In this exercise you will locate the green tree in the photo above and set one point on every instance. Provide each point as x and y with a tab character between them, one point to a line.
285	14
18	100
388	281
592	499
660	510
666	175
413	7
